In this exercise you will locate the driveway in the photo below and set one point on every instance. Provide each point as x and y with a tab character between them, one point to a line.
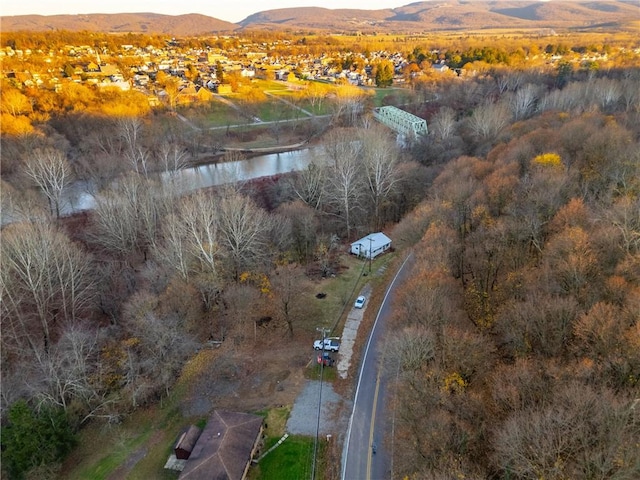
350	333
304	414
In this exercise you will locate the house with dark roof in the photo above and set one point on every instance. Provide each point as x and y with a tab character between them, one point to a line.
225	447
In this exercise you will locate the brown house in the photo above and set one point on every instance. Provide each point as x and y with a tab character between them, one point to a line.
225	447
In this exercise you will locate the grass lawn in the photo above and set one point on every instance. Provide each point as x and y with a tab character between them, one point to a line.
281	105
139	435
145	439
329	374
274	110
291	460
340	292
392	96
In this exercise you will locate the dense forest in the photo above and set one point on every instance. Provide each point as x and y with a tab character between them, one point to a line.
518	352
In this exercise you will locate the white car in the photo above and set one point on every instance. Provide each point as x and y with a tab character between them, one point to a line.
359	302
330	344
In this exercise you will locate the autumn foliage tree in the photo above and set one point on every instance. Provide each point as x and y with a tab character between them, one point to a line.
523	284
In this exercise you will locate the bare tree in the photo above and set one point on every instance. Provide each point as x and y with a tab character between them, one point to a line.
309	185
172	157
140	160
127	218
607	92
303	226
191	244
243	232
172	90
46	280
579	433
412	348
380	159
51	172
286	285
130	133
345	179
630	94
625	216
540	324
201	229
348	104
488	119
523	101
65	374
173	250
573	263
316	93
13	101
161	345
444	122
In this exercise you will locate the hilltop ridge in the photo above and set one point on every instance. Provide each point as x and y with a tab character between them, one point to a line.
414	17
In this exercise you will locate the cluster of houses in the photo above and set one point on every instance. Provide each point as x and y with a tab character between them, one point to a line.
196	68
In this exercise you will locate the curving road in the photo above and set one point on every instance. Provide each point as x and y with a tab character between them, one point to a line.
365	455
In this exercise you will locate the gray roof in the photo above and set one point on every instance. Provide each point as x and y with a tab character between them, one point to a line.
378	240
224	448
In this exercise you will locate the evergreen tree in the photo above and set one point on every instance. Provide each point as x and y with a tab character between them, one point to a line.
31	439
384	74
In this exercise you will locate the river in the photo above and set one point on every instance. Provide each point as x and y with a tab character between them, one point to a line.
81	196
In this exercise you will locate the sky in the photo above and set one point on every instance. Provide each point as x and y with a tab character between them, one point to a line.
230	10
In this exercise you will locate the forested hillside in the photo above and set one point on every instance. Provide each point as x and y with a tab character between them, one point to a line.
429	16
517	352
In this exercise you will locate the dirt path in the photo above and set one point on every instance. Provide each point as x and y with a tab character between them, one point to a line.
123	470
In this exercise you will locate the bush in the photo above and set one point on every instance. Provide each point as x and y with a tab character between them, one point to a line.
34	438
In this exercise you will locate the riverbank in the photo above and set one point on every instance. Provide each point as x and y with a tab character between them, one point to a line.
251	150
246	152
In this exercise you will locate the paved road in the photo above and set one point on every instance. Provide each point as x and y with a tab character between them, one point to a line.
369	422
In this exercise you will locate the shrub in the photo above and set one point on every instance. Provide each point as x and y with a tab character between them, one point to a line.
34	438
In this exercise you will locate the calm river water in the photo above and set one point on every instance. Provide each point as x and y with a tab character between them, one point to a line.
80	197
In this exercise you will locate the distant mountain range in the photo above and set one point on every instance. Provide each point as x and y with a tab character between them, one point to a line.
425	16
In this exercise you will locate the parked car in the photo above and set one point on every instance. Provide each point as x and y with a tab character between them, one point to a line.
325	359
359	302
330	344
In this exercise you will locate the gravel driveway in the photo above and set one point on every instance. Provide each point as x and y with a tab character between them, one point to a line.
304	414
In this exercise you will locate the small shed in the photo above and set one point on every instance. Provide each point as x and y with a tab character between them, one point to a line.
186	442
371	246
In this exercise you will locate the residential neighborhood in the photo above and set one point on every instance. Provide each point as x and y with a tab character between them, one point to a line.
201	71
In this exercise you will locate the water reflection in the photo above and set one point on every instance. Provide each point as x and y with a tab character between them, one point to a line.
241	170
81	195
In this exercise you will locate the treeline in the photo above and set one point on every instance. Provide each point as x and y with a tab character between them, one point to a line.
517	347
63	39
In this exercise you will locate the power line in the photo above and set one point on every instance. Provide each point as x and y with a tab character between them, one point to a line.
315	442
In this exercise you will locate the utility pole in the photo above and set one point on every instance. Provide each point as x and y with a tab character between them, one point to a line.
315	443
370	256
324	332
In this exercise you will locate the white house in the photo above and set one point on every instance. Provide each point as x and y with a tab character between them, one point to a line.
371	246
